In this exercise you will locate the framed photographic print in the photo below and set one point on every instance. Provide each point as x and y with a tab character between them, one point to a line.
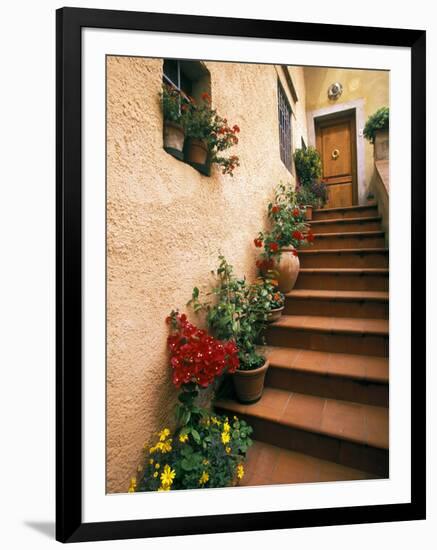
241	274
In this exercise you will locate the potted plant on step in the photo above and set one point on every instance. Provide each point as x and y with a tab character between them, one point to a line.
237	314
320	191
272	298
306	200
308	165
287	233
173	105
376	131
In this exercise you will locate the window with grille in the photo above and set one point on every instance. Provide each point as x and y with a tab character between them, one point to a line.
284	115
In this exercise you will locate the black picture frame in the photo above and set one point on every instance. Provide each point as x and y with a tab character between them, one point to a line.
69	525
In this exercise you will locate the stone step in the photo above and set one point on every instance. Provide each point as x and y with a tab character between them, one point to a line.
342	225
339	257
271	465
343	279
352	434
354	239
337	334
337	303
366	211
348	377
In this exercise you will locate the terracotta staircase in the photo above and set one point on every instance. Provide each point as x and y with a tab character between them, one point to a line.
324	412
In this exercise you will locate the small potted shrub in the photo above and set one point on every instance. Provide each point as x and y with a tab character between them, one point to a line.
287	233
198	127
308	165
204	450
376	131
306	200
173	106
320	191
237	315
271	297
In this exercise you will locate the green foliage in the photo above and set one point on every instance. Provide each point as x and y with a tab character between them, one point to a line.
320	192
207	453
308	164
378	121
267	293
305	197
172	104
235	313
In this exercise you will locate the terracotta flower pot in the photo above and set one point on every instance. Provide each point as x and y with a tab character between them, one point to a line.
275	314
249	384
288	269
381	149
196	151
309	212
174	135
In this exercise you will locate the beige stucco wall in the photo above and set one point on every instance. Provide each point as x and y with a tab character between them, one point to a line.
165	225
371	87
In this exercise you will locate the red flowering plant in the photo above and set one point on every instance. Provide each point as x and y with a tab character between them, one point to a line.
202	122
196	359
288	228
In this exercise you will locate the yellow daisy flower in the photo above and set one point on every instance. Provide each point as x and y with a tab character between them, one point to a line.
164	488
167	476
226	427
133	485
228	449
203	478
183	438
157	466
225	437
164	434
240	471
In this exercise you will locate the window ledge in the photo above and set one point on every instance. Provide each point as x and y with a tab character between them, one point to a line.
204	169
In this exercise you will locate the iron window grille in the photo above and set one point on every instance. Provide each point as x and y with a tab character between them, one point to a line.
284	116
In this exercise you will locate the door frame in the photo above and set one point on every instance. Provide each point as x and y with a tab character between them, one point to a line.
360	119
338	117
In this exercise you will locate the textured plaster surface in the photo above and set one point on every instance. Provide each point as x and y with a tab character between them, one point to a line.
372	87
165	226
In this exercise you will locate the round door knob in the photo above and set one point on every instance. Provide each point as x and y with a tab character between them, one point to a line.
335	154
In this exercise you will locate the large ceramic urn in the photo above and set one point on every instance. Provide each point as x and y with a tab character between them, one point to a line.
288	269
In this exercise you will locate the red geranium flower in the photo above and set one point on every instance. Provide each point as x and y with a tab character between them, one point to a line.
310	237
197	357
297	235
296	212
275	209
258	243
206	97
274	247
236	128
294	251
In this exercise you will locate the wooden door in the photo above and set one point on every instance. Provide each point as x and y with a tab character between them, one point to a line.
336	145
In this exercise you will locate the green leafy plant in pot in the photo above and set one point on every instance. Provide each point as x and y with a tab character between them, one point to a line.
270	296
306	200
235	313
308	165
173	106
